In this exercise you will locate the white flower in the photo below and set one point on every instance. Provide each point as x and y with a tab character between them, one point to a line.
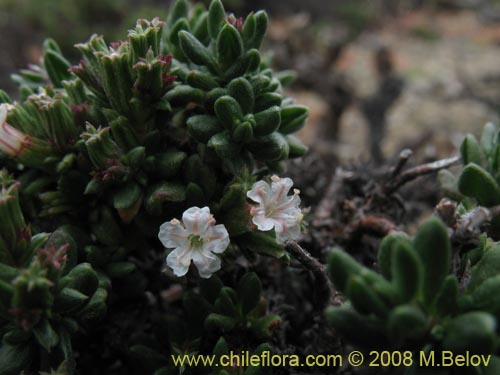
12	141
197	238
276	209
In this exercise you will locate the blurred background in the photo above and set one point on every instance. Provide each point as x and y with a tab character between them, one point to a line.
378	75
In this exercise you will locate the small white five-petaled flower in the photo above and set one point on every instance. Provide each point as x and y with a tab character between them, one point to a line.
197	238
276	209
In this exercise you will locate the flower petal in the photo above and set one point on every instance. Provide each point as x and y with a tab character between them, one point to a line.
288	233
263	223
197	220
179	260
172	234
216	239
207	263
280	188
260	192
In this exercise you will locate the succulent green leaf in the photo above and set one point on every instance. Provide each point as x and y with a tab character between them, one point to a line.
477	183
342	267
69	300
194	50
179	9
57	67
168	164
117	270
268	121
184	94
241	90
263	328
433	247
472	332
447	297
386	251
266	100
261	243
471	151
486	297
261	23
203	127
201	80
161	193
81	278
229	46
406	322
487	267
228	111
248	31
210	288
293	118
363	298
349	323
249	290
296	147
216	15
218	322
45	335
272	147
406	270
127	196
488	137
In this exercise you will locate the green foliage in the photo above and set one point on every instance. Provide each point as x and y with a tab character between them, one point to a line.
416	304
179	114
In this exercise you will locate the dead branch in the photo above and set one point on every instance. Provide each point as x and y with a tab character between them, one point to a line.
323	287
409	175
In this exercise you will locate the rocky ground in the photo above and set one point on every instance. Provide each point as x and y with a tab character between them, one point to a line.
449	61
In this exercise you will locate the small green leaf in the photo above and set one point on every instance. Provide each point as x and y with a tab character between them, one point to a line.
473	332
229	46
406	322
261	23
45	335
69	300
127	196
488	137
433	246
241	90
488	267
203	127
228	111
470	150
486	296
261	243
249	289
348	323
447	297
272	147
218	322
216	15
342	267
184	94
293	118
363	298
268	121
297	148
406	270
386	250
117	270
477	183
179	9
194	50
